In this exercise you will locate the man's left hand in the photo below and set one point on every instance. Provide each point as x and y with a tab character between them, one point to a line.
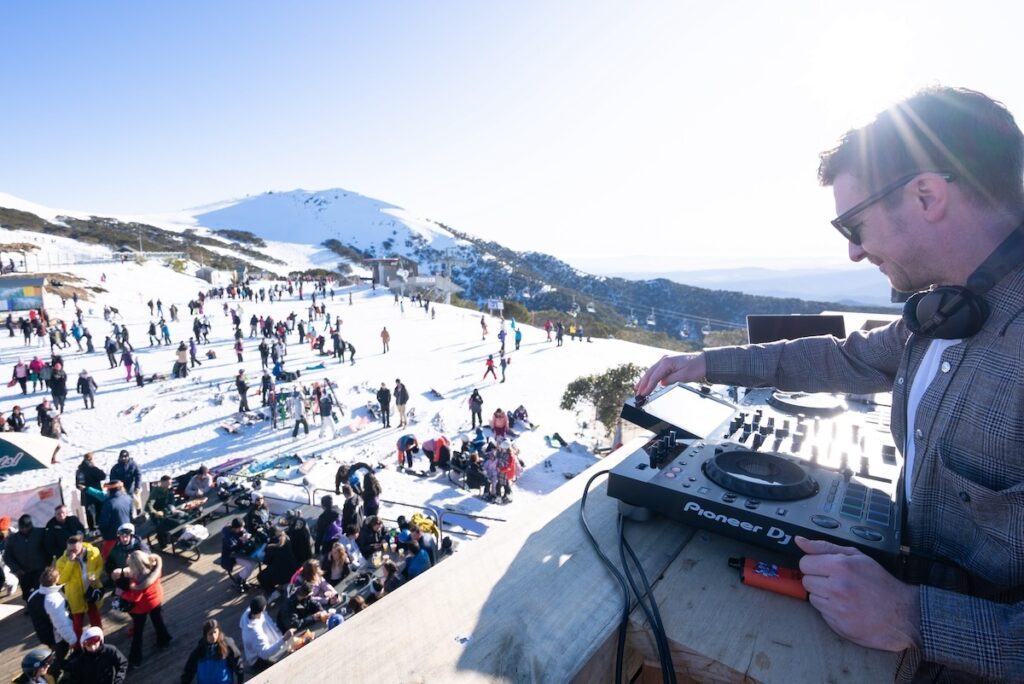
858	598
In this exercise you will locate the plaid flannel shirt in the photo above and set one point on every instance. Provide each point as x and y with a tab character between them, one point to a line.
967	488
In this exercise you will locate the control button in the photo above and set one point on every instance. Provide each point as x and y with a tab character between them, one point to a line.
676	469
704	490
692	478
670	475
686	485
728	497
781	511
867	533
825	521
751	503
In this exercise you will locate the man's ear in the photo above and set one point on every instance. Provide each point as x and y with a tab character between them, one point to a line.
931	196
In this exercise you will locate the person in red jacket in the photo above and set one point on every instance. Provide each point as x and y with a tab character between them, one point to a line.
490	368
140	583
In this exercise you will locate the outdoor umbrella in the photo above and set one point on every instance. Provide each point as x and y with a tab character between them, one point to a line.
21	451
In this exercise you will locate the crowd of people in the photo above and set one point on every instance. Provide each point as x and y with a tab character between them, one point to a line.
83	568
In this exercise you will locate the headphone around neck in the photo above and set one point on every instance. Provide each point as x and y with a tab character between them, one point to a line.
952	312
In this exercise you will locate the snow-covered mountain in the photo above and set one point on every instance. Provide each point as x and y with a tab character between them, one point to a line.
367	224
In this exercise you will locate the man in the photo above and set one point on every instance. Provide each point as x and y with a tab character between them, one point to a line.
25	554
928	192
384	399
385	337
115	512
401	396
243	391
426	542
128	473
59	386
266	387
59	528
37	667
89	481
262	643
87	388
127	542
298	407
80	571
326	414
162	509
201	484
49	612
330	515
98	662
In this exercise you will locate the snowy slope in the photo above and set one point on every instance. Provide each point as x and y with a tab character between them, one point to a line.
312	217
180	428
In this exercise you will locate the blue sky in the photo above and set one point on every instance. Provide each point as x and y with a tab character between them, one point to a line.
685	133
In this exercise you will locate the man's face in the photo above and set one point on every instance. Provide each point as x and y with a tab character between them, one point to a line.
61	514
124	537
890	238
92	645
75	548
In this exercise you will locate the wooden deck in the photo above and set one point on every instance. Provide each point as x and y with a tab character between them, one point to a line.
193	593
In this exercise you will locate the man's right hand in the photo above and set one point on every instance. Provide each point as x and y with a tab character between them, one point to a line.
671	369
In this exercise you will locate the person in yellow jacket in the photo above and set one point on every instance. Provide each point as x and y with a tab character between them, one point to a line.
79	570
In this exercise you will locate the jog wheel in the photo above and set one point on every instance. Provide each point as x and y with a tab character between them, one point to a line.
817	404
760	475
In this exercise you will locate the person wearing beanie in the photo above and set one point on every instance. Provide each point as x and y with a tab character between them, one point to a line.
262	642
234	541
98	662
25	555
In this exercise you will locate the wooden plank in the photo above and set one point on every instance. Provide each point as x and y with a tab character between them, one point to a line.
720	630
530	601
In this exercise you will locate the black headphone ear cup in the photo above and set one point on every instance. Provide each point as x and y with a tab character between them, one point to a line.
910	318
947	313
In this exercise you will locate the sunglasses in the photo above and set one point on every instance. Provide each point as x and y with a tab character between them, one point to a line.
850	229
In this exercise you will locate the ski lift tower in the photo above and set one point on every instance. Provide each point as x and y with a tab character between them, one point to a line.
448	261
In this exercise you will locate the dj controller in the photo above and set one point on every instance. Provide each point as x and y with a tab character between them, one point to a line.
766	468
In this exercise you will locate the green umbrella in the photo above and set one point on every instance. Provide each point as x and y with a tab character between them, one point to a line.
22	451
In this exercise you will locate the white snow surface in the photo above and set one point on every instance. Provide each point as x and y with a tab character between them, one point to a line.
174	425
312	217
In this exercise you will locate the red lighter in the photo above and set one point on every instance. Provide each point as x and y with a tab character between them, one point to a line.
777	578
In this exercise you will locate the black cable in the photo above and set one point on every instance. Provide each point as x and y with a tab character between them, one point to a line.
653	615
624	621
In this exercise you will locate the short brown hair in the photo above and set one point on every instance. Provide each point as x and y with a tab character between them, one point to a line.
952	130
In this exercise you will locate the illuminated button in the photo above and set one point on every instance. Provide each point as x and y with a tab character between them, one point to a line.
670	475
677	469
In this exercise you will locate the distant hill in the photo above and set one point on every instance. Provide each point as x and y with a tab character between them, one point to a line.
848	286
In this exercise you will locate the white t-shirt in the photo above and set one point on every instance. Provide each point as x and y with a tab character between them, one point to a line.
926	372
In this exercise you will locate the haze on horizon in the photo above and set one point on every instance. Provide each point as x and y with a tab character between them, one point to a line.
596	131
